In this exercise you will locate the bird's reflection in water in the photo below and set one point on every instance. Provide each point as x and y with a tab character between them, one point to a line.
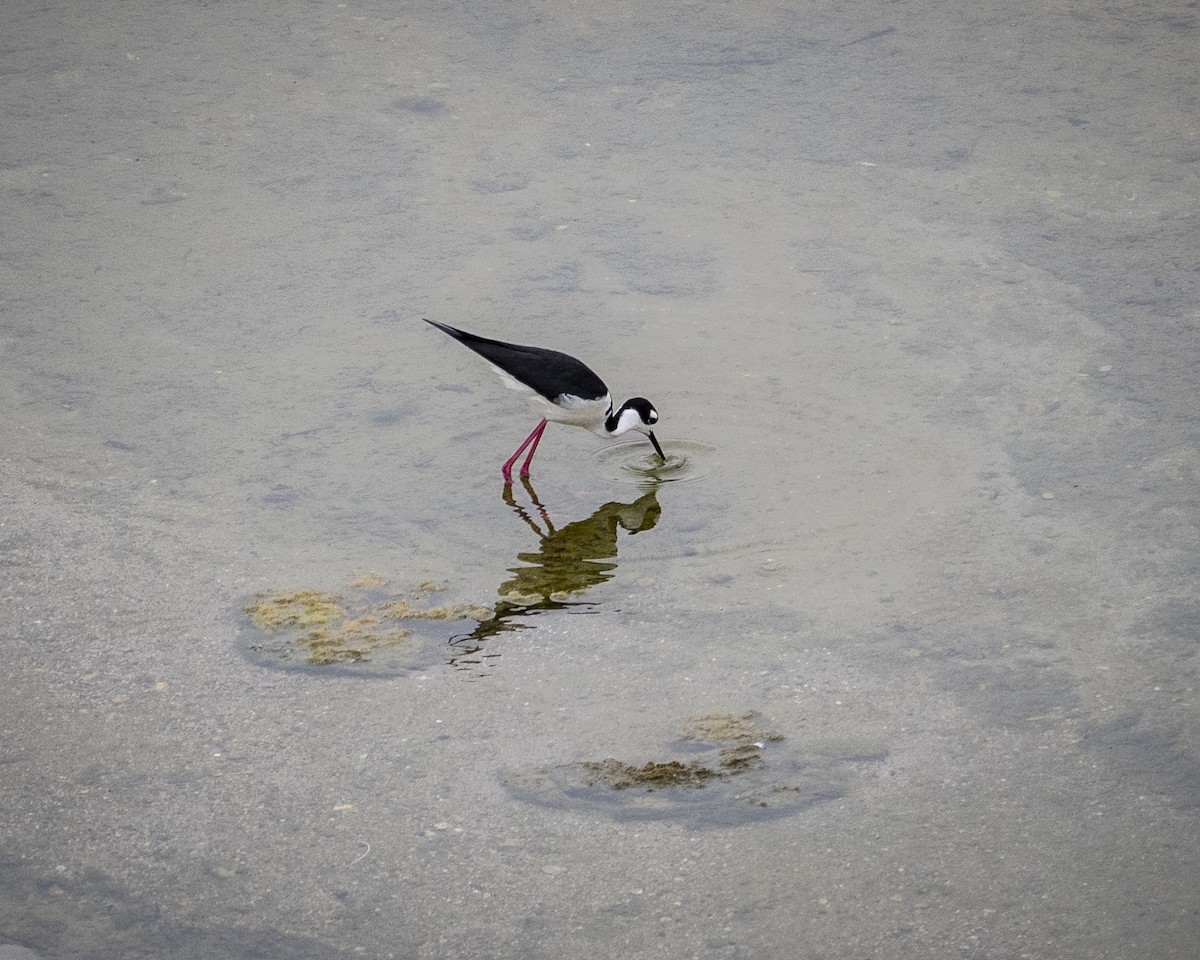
568	561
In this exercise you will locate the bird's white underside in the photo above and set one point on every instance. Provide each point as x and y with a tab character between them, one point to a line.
577	412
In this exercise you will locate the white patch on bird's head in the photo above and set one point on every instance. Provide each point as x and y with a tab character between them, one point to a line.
636	414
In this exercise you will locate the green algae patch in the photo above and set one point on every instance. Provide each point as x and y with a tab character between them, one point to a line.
352	641
360	623
405	610
294	608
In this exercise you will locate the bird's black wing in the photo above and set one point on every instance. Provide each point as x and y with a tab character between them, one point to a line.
547	372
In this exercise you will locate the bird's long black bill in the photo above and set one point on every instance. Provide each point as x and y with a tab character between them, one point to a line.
657	449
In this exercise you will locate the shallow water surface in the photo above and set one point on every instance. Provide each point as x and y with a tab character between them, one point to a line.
911	292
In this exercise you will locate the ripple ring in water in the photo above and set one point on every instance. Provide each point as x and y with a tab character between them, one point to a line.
687	462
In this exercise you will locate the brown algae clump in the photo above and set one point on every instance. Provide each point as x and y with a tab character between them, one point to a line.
741	758
649	776
741	751
295	608
727	728
673	773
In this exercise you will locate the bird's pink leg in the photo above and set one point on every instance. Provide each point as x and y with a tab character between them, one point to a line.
532	450
533	437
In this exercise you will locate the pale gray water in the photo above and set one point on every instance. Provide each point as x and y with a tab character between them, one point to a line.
915	291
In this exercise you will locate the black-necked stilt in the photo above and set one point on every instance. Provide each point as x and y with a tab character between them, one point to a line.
562	388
